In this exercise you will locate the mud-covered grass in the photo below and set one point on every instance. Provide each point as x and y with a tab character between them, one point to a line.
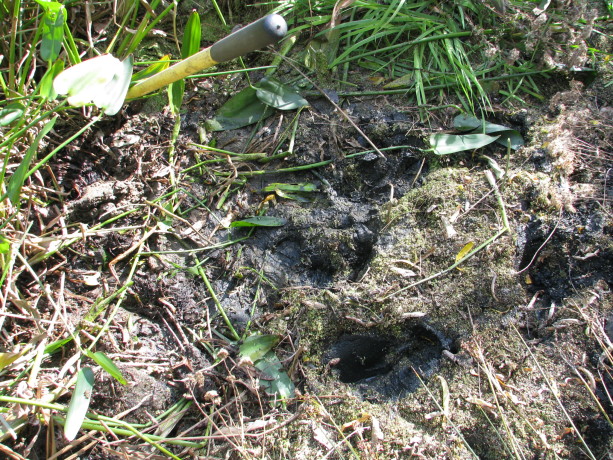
399	344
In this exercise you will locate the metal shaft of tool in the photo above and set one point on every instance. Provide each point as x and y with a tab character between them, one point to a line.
259	34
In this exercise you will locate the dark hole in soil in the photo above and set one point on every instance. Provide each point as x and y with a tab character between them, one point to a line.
384	365
361	357
561	259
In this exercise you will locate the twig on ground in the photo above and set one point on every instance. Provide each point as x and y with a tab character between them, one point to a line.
337	107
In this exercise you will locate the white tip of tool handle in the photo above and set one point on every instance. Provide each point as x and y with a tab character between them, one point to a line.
275	26
259	34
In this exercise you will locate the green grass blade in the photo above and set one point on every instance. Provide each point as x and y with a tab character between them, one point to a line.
18	178
259	221
79	403
70	46
108	365
55	346
142	32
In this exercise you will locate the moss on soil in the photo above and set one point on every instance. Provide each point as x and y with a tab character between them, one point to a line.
517	365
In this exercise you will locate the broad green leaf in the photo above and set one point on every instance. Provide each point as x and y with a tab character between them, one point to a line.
259	221
52	36
275	380
510	137
191	36
52	29
103	80
108	365
45	88
189	46
275	94
11	112
157	67
19	176
79	403
6	359
256	346
5	245
467	123
176	91
305	187
444	144
50	7
242	109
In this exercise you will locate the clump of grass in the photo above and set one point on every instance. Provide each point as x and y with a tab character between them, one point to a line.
46	351
36	44
427	49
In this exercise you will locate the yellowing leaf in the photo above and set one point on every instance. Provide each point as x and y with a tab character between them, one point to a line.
465	250
6	359
405	80
376	80
154	68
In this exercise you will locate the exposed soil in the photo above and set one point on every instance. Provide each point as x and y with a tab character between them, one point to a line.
508	352
327	279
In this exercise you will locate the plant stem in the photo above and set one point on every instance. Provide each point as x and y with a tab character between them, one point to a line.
313	165
220	308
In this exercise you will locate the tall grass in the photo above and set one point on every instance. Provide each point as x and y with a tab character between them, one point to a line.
36	44
427	48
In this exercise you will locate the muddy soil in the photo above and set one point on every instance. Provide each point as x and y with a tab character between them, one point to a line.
411	368
393	353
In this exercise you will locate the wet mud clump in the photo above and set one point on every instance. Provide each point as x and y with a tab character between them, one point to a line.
386	367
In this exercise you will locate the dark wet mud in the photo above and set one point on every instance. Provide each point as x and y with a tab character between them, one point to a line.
387	367
326	279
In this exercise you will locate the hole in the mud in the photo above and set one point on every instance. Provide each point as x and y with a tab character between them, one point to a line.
360	357
454	345
387	365
559	259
